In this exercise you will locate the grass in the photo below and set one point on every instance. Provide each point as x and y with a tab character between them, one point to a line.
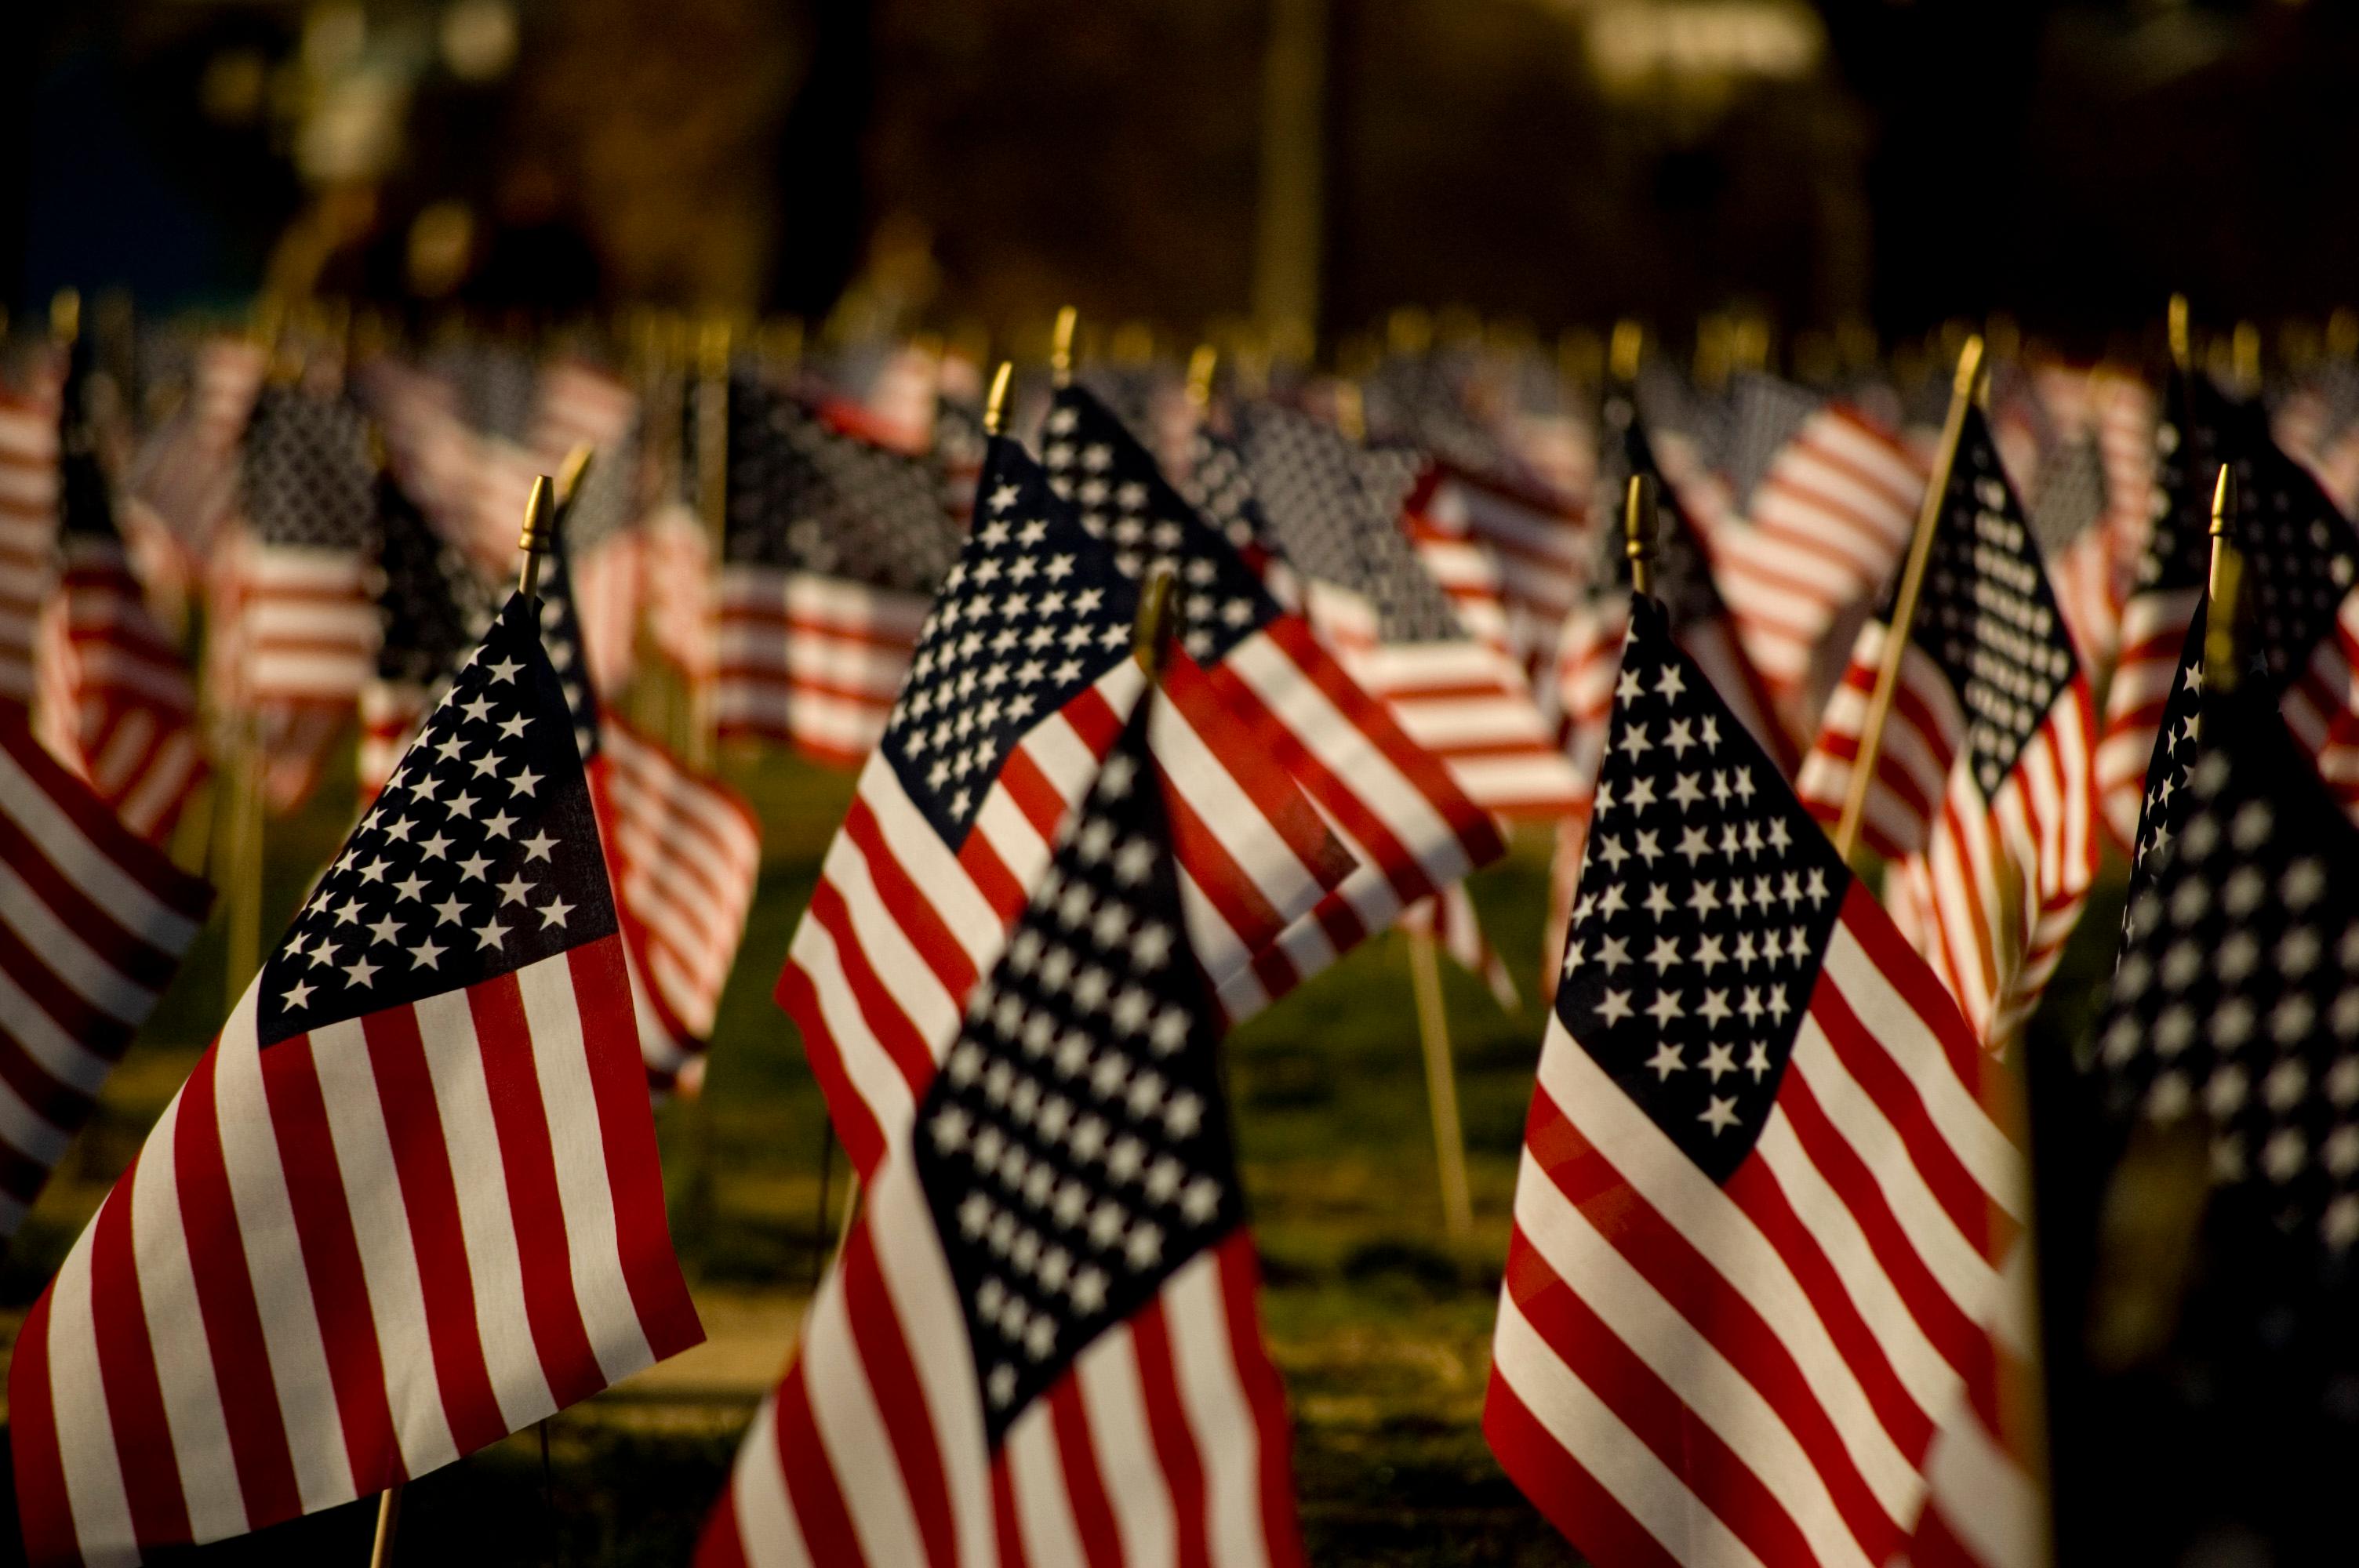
1380	1325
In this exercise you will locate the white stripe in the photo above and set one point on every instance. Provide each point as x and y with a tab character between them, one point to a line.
930	865
388	1254
82	863
932	1325
487	1219
1980	1145
916	990
552	1013
274	1263
875	1078
167	1295
766	1528
852	1431
1984	1496
1228	1444
1136	1486
1229	814
61	1056
1594	1437
1711	1392
1036	1474
93	1474
62	951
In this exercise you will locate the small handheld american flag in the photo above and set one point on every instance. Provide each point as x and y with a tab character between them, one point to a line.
407	1203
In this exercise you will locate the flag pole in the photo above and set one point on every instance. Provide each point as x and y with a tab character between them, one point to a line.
994	402
1904	604
1441	1084
1640	524
2225	588
1060	345
712	502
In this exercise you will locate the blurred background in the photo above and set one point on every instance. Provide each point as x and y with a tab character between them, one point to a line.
1301	163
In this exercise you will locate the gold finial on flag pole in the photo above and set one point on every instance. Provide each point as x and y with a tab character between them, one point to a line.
65	315
2182	353
1061	344
1904	603
540	518
1351	409
1622	351
2226	588
994	402
1640	528
1201	365
1150	632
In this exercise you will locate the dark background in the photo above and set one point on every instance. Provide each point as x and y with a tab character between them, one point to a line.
975	163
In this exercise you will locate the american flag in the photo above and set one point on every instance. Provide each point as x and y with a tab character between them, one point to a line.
95	921
407	1203
2317	424
187	471
300	636
835	545
1040	1342
29	533
578	404
1767	1195
1394	806
2197	428
433	611
683	847
2301	561
119	706
1983	797
1022	678
1334	512
1819	530
2067	509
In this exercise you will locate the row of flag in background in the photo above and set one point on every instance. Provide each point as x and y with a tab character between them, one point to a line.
1767	1298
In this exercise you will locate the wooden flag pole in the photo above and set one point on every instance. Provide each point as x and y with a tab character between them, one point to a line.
1440	1084
1904	604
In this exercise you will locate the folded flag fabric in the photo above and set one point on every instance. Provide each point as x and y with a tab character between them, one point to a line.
408	1201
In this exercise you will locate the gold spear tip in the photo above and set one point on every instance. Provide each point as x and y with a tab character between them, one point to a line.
1641	525
1201	365
65	315
540	512
994	402
1146	633
2175	323
1061	344
1969	366
2223	504
1622	351
570	472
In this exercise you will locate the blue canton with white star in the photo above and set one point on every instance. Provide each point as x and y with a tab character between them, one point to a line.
1075	1148
1706	900
480	858
1032	614
1122	497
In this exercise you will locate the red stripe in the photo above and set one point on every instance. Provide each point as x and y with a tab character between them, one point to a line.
126	1365
855	1123
1960	1341
151	867
900	1397
1077	1461
722	1545
527	1158
44	1512
1651	1409
1028	788
232	1321
1696	1290
1226	885
1874	931
147	966
1584	1512
1282	805
916	916
1175	1444
911	1054
1240	1276
332	1260
812	1488
601	994
429	1200
1006	1525
1871	1066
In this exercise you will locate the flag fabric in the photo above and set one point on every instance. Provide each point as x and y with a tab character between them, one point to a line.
2067	511
93	921
407	1203
187	472
1819	531
1407	826
1334	511
29	533
1753	1302
299	637
1040	1341
578	403
684	849
2301	556
1022	678
1984	795
119	705
834	548
432	610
